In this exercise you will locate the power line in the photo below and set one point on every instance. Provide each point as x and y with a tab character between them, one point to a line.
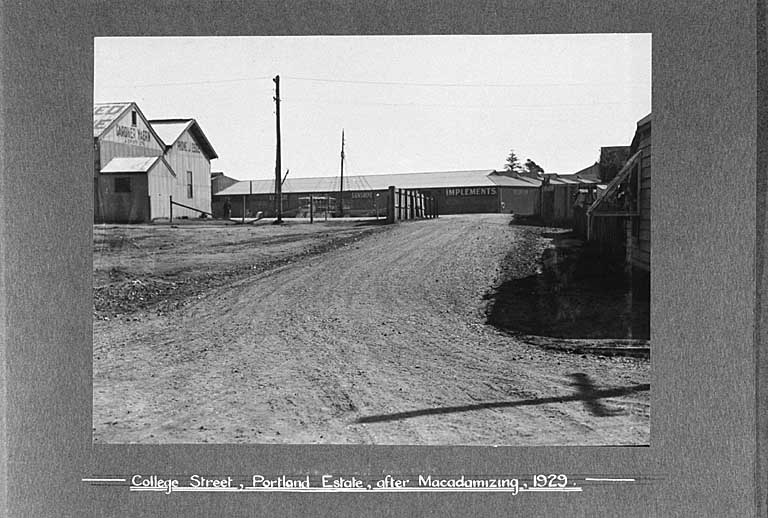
558	105
387	83
186	83
468	85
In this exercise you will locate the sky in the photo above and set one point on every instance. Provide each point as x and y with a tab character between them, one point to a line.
404	103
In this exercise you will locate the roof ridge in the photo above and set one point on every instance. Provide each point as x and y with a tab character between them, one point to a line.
174	120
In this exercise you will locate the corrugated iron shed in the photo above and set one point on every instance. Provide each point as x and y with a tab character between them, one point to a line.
380	182
138	164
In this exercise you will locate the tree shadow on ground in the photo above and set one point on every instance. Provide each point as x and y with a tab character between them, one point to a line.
577	291
586	393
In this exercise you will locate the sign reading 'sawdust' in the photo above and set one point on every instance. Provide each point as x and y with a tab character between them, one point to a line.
471	191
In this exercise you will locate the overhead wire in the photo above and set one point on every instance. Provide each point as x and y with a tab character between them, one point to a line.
187	83
468	85
556	105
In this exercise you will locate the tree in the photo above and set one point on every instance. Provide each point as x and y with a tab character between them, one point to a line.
533	169
513	164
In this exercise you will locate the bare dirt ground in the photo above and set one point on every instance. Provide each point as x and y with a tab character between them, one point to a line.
341	334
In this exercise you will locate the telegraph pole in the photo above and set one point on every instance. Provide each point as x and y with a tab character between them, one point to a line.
341	183
278	182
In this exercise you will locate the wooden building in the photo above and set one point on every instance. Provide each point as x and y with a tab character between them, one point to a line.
121	131
189	154
130	183
639	229
561	195
621	215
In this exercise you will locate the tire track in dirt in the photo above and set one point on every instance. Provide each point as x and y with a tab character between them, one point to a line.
392	323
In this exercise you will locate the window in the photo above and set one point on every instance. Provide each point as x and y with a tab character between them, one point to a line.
122	185
133	118
189	184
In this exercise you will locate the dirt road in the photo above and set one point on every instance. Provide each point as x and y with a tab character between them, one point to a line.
381	341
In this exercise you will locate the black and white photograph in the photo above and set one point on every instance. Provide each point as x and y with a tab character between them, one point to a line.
363	258
373	240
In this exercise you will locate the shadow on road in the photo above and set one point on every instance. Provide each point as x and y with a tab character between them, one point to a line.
577	291
586	392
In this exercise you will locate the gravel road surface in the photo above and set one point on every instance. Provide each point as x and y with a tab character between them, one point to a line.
383	340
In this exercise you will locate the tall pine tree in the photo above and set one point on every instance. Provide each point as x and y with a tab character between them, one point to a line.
513	164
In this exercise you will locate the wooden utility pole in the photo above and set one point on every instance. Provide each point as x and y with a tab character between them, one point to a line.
341	182
278	182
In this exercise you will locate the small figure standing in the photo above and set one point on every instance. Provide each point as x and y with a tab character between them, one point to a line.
227	209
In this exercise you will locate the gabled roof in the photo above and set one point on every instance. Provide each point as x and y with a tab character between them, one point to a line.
105	115
138	164
171	129
589	173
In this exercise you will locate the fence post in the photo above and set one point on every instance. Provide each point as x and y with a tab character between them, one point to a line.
170	218
391	204
407	205
311	209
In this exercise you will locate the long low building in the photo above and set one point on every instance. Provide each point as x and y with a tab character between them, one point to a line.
456	192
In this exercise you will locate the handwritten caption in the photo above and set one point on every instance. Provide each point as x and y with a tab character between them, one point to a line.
328	482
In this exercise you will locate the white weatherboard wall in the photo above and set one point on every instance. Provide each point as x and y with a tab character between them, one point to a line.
161	181
185	155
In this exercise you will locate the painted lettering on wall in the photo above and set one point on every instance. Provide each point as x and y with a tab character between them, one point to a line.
189	147
108	109
471	191
363	194
132	133
104	114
